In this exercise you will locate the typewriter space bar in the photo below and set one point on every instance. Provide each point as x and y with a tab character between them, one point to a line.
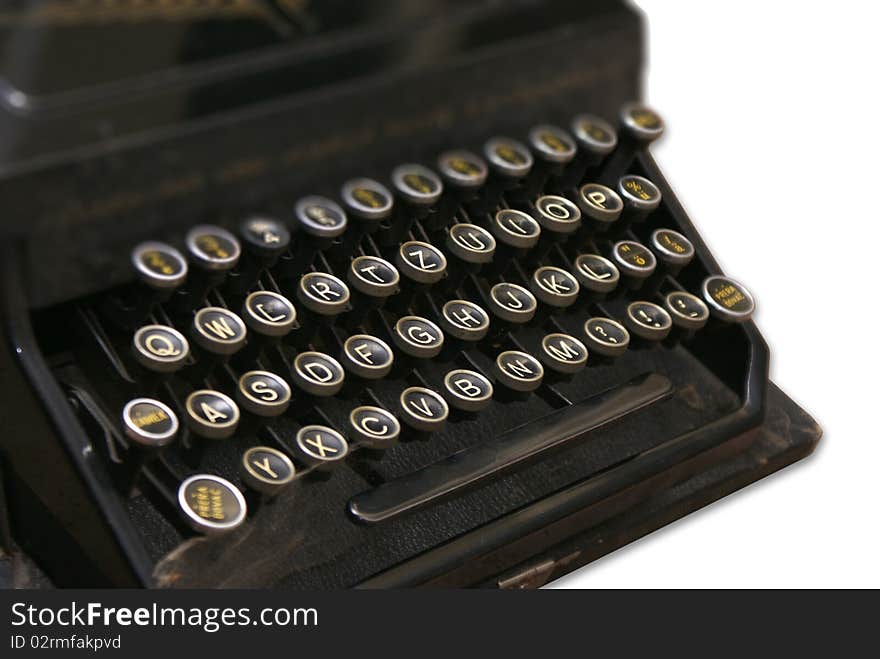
481	461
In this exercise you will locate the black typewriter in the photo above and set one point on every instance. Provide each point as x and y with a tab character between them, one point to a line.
355	295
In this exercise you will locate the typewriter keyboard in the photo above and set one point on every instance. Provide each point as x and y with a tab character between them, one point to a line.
416	337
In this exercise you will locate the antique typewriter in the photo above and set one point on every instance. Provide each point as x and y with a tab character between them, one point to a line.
367	294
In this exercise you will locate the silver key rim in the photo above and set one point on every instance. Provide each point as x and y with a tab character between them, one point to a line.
538	141
668	254
513	315
588	141
600	203
453	325
718	309
308	382
354	361
368	284
506	167
513	380
362	433
309	211
461	240
167	359
544	283
211	334
258	480
350	192
314	297
406	342
210	261
207	526
206	428
634	270
159	279
136	432
409	260
451	174
634	199
629	119
605	347
680	318
592	280
557	214
644	329
419	421
262	321
550	355
316	454
260	406
399	179
503	228
461	401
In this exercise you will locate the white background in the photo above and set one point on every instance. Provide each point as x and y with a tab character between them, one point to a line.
773	147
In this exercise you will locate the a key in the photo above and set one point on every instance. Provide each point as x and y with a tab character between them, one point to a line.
510	162
596	138
211	505
687	311
371	204
149	425
512	305
464	173
160	269
554	286
421	265
597	276
211	414
640	124
269	316
317	223
554	149
640	198
219	333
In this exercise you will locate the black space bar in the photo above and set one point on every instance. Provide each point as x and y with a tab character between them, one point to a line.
489	458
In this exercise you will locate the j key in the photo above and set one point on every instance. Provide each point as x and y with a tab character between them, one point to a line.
418	337
554	286
160	269
317	374
317	222
518	371
367	357
264	240
421	266
554	149
324	297
214	252
373	427
472	247
728	300
640	124
219	333
263	393
464	173
512	305
634	261
563	354
160	349
371	204
211	505
596	138
418	189
601	207
559	218
605	337
516	233
266	470
149	423
467	391
320	447
211	414
510	162
423	409
688	312
597	275
373	279
672	249
648	321
640	198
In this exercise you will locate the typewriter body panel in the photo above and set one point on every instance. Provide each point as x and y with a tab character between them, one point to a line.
102	167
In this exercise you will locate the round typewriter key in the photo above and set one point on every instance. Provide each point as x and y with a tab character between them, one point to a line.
269	313
563	353
728	299
606	337
464	320
516	229
323	293
418	337
594	135
265	237
600	204
423	409
263	393
373	276
421	262
633	259
321	447
210	504
320	217
467	391
512	303
462	169
596	273
367	199
470	243
552	144
317	374
266	470
367	357
641	123
219	331
149	423
554	286
416	184
648	320
211	414
508	157
213	248
373	427
687	311
160	348
639	195
557	214
518	371
158	265
672	248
